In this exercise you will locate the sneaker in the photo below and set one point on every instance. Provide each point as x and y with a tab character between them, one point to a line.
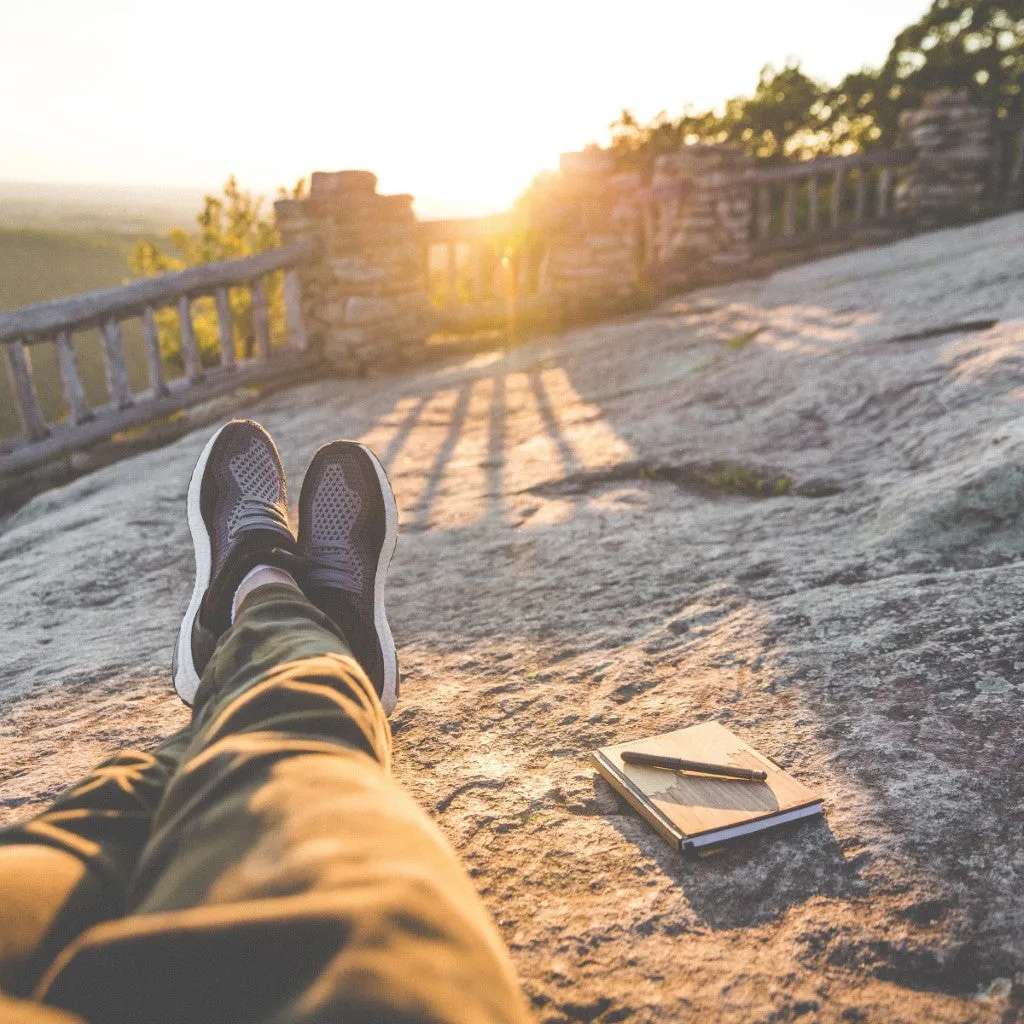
238	516
348	529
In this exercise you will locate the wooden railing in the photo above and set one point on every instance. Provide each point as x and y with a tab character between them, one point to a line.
481	270
825	198
794	206
480	273
56	323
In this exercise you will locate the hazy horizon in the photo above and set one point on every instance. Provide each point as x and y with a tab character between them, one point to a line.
458	104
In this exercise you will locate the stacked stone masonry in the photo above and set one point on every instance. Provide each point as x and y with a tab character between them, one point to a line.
589	214
364	292
703	225
954	149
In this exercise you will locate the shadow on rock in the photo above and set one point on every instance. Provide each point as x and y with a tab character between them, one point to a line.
751	880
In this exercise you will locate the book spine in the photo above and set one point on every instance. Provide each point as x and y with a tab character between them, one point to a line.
647	811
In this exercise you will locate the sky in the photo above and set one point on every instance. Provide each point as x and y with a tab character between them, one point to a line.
460	102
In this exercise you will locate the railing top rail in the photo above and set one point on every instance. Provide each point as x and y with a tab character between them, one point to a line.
458	228
825	165
43	320
801	169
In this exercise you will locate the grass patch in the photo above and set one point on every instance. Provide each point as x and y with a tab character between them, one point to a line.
739	341
712	478
725	477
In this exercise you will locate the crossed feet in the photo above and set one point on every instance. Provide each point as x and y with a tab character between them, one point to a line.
238	516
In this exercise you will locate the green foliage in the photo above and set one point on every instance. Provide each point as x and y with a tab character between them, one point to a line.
784	118
977	45
228	227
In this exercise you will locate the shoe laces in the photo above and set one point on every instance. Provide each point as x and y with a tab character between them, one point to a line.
335	565
256	512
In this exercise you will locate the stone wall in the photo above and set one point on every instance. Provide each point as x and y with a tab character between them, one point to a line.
610	239
364	296
703	233
589	215
953	160
609	243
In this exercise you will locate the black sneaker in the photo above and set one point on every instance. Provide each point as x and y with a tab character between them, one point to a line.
238	515
348	528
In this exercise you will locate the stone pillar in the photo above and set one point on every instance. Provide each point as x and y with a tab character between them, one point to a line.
952	163
701	229
364	296
590	218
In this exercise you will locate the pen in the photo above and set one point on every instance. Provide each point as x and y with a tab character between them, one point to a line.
679	764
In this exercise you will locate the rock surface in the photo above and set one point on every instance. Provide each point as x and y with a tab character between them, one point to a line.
571	573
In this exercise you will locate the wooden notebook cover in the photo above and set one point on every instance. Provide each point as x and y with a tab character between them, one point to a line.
683	806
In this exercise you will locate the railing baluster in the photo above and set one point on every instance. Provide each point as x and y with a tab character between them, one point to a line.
189	349
24	390
646	232
67	365
995	170
837	197
151	338
860	197
669	219
789	210
522	273
427	270
543	275
260	318
478	273
655	220
884	184
451	274
764	211
293	310
812	204
225	328
117	371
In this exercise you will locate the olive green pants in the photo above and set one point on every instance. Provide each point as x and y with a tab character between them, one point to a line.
259	866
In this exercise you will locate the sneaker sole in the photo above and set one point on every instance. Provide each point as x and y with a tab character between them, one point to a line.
186	678
389	654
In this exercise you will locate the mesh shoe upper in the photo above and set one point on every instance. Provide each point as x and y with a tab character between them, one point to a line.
244	489
344	539
244	506
331	541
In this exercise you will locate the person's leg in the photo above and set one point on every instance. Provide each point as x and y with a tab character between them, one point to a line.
289	879
70	866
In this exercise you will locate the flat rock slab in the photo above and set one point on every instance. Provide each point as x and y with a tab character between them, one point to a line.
794	505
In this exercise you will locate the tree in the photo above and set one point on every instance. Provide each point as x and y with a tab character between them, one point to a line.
230	226
851	111
977	45
785	117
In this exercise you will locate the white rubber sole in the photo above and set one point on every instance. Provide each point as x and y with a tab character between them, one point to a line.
389	654
186	678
